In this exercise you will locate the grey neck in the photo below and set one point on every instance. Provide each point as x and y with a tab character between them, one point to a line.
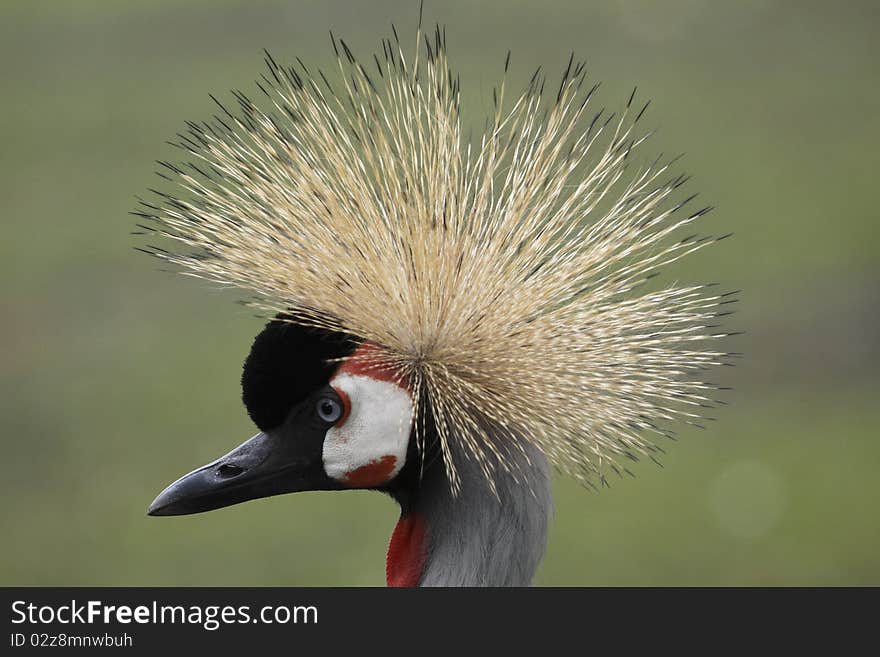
478	539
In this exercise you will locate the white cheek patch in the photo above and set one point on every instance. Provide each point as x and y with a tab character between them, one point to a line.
369	447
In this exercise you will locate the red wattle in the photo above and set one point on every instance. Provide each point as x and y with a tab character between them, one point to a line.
406	552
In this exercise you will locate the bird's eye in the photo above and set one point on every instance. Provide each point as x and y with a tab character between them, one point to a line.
329	409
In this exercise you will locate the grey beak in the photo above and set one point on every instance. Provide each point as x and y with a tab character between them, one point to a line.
263	466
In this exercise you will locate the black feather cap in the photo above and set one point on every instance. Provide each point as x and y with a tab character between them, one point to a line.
287	362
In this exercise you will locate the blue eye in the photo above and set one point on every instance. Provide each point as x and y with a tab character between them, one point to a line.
329	410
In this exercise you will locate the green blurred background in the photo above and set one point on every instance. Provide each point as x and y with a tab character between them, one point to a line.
116	378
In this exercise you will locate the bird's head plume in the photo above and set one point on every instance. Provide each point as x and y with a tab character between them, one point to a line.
502	277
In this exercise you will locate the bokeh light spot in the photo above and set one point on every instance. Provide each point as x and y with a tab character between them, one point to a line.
747	499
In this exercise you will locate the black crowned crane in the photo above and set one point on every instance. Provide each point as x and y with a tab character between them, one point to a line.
451	315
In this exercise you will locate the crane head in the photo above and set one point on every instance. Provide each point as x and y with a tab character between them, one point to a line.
329	417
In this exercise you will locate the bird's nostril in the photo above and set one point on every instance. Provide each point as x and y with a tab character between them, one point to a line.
229	470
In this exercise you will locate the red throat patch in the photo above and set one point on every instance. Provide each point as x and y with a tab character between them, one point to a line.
406	552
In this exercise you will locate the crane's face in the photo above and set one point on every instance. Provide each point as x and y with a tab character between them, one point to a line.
337	427
367	444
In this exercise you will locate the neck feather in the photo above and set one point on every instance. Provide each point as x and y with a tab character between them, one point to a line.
474	538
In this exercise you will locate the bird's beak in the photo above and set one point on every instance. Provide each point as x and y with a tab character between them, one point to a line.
265	465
